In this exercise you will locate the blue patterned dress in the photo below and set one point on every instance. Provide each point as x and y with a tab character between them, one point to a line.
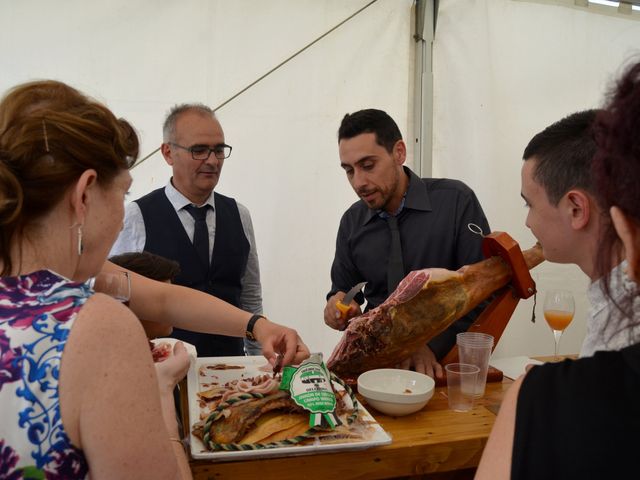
37	312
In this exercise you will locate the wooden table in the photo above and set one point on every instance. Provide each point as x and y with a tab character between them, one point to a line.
559	358
426	444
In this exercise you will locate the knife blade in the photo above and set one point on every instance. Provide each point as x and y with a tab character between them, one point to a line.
278	365
344	304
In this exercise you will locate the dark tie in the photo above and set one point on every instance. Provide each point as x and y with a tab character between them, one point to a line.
200	232
395	269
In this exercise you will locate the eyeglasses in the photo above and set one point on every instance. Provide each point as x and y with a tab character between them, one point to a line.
202	152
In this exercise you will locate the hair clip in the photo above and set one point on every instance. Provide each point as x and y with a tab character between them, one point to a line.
46	138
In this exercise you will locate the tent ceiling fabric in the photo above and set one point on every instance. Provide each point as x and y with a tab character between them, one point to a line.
629	9
143	57
504	70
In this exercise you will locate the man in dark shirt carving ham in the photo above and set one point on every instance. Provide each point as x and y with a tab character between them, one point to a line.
431	217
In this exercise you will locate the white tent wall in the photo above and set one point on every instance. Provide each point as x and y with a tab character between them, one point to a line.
503	71
142	57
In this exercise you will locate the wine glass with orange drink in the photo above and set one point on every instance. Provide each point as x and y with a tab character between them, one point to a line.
559	308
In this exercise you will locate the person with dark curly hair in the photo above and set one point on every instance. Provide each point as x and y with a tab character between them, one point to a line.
579	419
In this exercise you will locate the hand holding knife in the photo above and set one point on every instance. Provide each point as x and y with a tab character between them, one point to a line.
345	304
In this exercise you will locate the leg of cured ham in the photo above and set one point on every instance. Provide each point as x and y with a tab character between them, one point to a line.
425	303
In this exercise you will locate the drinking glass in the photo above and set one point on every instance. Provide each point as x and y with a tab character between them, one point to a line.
114	284
559	308
461	385
475	348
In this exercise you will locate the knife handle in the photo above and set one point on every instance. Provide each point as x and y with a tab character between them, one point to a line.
344	309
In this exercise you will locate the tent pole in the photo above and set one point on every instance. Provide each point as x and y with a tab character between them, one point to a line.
425	16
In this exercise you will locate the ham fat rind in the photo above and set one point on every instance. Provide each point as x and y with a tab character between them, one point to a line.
425	303
242	416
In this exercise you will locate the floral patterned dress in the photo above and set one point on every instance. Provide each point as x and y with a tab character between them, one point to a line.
37	312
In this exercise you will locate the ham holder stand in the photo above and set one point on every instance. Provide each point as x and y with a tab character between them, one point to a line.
494	318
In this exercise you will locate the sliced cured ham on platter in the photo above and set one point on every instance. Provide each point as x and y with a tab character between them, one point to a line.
246	415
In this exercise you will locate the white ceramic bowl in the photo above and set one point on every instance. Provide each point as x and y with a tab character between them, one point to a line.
395	392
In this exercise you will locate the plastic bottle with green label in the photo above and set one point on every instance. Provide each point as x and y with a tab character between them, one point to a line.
310	387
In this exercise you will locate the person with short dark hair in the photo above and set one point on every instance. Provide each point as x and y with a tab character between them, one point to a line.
566	216
209	234
562	154
430	215
154	267
579	419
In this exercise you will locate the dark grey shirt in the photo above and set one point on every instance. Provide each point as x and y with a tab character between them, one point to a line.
433	232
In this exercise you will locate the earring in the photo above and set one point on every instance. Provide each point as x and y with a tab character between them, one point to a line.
80	246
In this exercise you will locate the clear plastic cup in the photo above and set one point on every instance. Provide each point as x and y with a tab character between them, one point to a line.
461	385
475	349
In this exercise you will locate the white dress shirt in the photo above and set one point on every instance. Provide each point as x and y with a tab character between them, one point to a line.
133	237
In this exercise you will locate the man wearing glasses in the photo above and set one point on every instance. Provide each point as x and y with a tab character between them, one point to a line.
209	234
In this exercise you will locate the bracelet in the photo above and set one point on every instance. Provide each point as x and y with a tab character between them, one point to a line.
180	442
252	321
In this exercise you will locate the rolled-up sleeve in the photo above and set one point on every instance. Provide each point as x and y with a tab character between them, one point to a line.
133	235
251	294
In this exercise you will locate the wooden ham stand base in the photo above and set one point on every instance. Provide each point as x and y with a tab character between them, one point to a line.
493	319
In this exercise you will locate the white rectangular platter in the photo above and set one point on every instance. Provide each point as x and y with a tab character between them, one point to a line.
251	368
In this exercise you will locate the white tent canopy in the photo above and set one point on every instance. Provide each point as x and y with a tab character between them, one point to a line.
502	71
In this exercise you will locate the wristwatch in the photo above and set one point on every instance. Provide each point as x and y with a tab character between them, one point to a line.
252	321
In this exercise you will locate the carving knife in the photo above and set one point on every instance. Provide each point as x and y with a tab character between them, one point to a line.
344	304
